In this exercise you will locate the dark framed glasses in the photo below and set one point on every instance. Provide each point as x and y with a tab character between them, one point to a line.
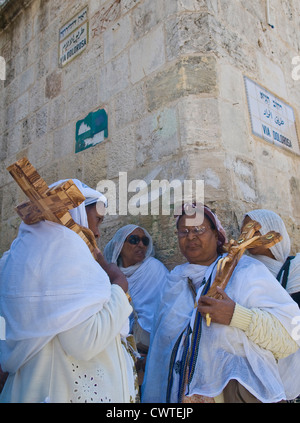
135	239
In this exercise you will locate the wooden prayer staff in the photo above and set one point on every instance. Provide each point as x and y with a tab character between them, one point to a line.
235	251
48	204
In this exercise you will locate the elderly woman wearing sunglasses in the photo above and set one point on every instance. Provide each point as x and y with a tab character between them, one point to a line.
132	250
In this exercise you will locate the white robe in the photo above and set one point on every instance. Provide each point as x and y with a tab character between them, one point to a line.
146	279
145	286
83	364
224	352
61	312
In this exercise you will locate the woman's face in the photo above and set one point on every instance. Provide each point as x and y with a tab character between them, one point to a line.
94	219
198	248
257	251
134	250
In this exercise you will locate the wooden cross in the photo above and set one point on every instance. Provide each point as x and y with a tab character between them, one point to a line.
235	251
48	203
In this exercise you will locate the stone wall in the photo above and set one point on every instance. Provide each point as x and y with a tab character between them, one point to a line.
169	74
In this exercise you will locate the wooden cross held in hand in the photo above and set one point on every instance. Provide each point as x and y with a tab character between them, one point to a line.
48	203
235	251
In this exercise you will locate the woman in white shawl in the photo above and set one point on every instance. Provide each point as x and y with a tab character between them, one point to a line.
241	356
132	250
282	265
63	314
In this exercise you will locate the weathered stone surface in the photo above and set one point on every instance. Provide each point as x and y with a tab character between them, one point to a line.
114	77
22	106
41	122
143	64
27	129
108	13
189	75
146	16
170	76
199	122
157	136
83	96
53	85
295	196
129	105
121	152
116	38
245	180
189	33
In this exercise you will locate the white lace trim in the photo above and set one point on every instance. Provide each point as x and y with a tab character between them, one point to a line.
88	387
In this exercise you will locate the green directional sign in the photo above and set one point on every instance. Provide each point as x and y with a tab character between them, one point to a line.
91	130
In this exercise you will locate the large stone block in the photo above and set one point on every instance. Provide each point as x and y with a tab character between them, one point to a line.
114	77
116	38
144	64
146	16
189	75
199	122
121	152
63	141
157	136
94	164
57	115
129	105
189	33
41	122
207	166
82	97
110	11
245	179
53	85
22	106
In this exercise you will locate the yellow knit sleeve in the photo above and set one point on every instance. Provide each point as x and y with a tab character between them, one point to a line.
265	330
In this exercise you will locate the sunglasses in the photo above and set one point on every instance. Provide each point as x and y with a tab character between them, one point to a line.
135	239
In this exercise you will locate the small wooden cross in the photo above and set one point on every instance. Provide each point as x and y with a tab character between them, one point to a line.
48	203
235	251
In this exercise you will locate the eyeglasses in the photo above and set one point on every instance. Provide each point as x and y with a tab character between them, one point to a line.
135	239
197	230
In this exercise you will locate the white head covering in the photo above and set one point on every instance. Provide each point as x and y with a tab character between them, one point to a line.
145	279
113	249
91	196
49	283
270	221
